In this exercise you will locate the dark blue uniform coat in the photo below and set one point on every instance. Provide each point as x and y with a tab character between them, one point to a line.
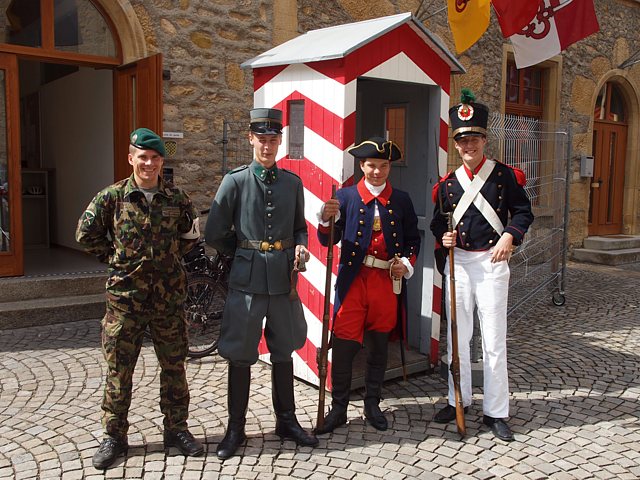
504	190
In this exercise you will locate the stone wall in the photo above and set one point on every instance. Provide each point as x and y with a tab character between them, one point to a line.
203	44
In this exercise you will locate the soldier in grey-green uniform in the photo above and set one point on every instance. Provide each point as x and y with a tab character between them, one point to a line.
141	227
258	217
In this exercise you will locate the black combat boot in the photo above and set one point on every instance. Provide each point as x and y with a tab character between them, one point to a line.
287	425
237	401
110	449
374	378
344	351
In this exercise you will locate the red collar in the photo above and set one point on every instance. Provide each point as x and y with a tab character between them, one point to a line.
477	169
367	196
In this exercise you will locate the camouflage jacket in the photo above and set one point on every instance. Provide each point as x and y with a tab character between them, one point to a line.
140	241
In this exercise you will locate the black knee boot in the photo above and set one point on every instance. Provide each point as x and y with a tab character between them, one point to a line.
287	425
344	351
374	378
237	401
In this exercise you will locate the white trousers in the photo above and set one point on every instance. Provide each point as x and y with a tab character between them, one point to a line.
485	285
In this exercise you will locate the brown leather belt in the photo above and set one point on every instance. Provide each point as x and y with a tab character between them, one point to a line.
265	246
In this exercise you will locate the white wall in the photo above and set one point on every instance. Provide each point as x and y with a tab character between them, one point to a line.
77	141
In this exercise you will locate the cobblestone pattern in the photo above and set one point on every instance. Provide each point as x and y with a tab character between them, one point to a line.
575	381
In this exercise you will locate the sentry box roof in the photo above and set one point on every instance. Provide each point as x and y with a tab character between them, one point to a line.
339	41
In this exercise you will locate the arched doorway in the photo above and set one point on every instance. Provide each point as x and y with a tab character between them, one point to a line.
609	151
67	103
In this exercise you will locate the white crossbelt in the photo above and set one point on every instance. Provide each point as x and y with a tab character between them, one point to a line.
472	195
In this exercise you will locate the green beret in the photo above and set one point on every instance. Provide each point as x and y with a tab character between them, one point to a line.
145	139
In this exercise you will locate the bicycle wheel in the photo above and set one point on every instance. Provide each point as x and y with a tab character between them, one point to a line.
203	314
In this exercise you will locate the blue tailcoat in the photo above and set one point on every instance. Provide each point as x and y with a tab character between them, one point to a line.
355	226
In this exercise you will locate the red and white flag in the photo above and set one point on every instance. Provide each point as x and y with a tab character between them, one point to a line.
556	25
514	15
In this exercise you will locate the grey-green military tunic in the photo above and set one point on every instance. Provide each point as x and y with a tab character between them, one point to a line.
254	205
143	243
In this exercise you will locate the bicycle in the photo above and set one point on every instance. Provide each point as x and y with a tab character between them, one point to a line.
207	286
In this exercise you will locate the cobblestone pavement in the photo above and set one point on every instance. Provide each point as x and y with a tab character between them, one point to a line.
575	379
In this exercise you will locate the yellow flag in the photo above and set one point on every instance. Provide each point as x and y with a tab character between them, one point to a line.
468	20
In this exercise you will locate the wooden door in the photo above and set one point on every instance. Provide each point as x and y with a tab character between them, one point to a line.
138	103
11	245
607	183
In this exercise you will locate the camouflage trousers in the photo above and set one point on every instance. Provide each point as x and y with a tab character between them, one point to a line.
122	336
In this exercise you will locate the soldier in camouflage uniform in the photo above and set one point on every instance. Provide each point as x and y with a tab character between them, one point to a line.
141	227
258	217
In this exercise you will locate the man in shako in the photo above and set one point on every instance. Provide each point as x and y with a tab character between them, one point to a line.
257	216
378	227
491	214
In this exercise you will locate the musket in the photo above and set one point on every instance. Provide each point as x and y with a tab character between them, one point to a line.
455	358
323	351
454	367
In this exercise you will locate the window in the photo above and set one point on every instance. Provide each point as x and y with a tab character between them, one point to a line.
524	91
610	104
524	104
395	126
74	26
296	129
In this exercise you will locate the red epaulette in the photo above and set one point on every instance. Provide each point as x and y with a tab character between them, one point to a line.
521	178
434	191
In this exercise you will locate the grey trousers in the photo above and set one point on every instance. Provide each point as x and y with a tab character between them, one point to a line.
285	328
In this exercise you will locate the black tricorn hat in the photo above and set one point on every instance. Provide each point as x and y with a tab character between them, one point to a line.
376	147
266	121
468	117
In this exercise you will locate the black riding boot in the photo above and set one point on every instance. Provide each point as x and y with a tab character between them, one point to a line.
287	425
237	401
374	378
344	351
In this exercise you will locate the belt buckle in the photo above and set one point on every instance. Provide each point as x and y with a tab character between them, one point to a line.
265	246
369	260
277	245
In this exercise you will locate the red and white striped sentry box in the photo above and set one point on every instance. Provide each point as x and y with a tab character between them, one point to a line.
323	69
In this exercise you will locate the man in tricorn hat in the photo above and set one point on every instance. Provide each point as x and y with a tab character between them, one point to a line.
257	216
491	214
141	227
378	227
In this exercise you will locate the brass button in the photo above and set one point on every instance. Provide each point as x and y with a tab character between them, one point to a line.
375	252
449	184
467	245
499	174
461	224
397	244
454	205
362	210
269	215
361	222
490	242
390	212
499	197
395	234
499	186
464	234
359	234
393	222
353	254
269	237
269	204
498	210
350	263
451	194
268	226
268	192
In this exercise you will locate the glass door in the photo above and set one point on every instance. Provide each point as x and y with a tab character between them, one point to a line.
11	255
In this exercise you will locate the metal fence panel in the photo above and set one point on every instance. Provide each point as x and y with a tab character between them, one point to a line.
542	150
236	150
